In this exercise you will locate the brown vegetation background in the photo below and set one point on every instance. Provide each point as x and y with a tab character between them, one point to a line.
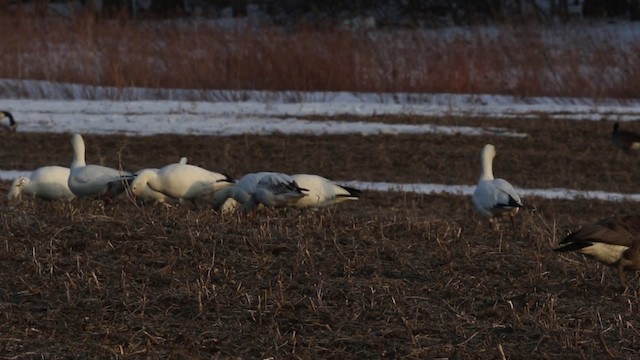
594	60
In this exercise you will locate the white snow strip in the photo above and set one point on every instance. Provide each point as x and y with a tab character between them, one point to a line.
146	124
467	190
13	174
43	101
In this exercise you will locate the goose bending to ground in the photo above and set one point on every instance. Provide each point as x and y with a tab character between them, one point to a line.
187	182
142	191
275	190
322	192
94	180
12	126
233	197
613	241
47	183
494	198
624	139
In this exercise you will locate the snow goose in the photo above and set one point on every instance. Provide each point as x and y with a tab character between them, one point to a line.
322	192
274	190
613	241
47	183
94	180
12	126
494	198
232	197
624	139
142	191
188	182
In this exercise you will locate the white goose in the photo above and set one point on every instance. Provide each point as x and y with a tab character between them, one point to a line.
143	192
322	192
94	180
47	183
274	190
233	197
187	182
12	126
494	198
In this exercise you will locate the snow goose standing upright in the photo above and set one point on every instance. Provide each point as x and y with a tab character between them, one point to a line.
274	190
12	126
625	140
494	198
94	180
613	241
188	182
322	192
47	183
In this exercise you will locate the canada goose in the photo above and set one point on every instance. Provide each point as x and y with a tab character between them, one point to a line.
613	241
322	192
12	126
187	182
494	198
94	180
47	183
624	139
274	190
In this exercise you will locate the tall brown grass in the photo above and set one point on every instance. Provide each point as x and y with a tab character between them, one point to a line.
525	61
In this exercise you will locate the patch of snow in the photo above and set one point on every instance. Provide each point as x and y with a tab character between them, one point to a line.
467	190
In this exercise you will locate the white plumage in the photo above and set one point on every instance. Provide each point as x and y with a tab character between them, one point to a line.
233	197
12	125
274	190
47	182
93	180
494	198
142	191
187	182
321	192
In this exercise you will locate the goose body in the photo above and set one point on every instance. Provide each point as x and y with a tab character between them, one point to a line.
274	190
322	192
624	139
613	241
494	198
12	125
233	197
142	191
47	183
187	182
93	180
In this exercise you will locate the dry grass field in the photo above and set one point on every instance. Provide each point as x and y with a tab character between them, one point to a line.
394	275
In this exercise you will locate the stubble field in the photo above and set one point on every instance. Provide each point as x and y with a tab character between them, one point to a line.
394	275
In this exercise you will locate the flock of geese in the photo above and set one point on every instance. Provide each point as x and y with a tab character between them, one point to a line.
614	241
179	183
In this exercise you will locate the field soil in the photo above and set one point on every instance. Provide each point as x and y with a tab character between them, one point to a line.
393	275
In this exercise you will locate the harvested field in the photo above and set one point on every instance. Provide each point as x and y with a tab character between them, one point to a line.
394	275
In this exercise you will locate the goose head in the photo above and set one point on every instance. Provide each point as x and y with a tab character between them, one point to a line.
16	187
139	184
12	123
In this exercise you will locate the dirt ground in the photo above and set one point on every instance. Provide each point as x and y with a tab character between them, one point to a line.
393	275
